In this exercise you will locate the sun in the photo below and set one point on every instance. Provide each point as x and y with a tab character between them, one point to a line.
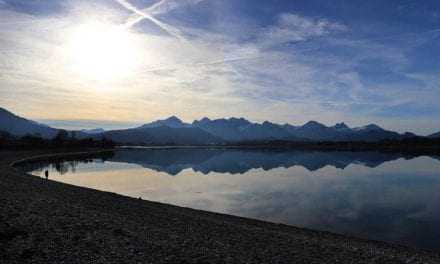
102	51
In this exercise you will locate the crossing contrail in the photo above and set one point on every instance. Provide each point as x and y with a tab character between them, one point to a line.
161	7
145	14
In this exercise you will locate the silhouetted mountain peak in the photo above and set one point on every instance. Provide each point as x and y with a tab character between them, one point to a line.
239	121
205	119
18	126
172	121
267	123
341	126
4	111
409	135
313	125
8	114
371	127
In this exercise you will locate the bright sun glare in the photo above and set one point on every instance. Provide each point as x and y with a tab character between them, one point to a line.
103	52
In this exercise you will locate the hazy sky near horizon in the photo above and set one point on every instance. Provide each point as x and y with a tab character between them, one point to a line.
133	61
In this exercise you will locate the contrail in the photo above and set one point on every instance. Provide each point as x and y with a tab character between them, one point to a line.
161	7
135	18
144	15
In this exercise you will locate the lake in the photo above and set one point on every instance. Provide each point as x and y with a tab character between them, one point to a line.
386	197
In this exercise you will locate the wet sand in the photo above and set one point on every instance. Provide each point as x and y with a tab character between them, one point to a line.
42	221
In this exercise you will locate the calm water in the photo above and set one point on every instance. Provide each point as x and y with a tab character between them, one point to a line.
377	196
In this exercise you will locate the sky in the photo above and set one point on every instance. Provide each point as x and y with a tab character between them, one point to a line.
116	63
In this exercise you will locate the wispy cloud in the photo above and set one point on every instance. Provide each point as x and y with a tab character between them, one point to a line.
293	27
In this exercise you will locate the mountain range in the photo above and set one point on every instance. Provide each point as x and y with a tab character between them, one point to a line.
205	131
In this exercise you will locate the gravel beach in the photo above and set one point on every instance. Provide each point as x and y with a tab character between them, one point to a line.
43	221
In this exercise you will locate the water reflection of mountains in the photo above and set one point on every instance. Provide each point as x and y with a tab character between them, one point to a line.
236	161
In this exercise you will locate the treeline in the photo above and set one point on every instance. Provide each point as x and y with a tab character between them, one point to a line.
419	145
63	163
63	139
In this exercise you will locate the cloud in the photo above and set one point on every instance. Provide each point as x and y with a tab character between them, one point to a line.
212	73
78	124
213	70
293	27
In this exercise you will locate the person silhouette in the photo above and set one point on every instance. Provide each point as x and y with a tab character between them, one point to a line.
46	173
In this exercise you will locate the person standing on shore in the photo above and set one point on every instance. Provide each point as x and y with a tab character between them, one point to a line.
46	173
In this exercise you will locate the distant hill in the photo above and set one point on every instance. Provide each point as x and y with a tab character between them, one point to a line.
172	122
19	126
174	131
436	135
171	131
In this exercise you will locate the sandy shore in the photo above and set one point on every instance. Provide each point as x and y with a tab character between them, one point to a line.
43	221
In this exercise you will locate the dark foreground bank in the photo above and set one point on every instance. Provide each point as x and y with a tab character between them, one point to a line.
48	222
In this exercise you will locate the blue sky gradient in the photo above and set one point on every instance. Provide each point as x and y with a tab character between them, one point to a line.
285	61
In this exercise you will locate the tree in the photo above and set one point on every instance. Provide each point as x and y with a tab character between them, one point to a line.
61	136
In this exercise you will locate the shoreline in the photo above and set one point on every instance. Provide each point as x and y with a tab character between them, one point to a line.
44	221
